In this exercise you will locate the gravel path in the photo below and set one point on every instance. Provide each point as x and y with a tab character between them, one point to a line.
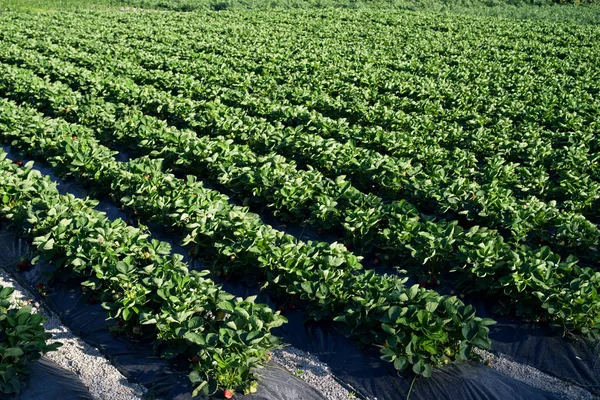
316	373
534	377
103	380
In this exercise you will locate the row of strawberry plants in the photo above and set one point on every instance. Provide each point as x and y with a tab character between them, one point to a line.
296	194
411	325
426	241
532	217
180	78
475	186
521	274
200	67
215	87
148	291
574	186
426	153
405	233
247	58
455	180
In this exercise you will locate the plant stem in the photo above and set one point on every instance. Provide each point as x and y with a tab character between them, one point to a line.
411	387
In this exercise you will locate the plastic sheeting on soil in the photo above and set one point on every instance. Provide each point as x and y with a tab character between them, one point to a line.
359	369
48	381
570	358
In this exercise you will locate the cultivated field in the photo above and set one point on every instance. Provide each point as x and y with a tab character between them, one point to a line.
427	155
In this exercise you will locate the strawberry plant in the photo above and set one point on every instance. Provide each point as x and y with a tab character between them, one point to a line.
438	244
489	209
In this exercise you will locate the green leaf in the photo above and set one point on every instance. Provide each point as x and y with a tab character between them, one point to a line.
212	339
307	287
421	368
464	351
482	343
394	313
49	245
123	267
13	352
250	299
431	306
195	338
400	363
243	313
231	325
470	330
423	317
412	292
200	388
226	306
195	377
388	328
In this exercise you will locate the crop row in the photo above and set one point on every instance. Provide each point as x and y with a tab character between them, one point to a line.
476	249
456	187
411	325
534	218
535	283
270	177
148	291
489	75
529	219
194	61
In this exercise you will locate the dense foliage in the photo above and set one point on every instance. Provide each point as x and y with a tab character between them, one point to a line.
456	5
463	149
150	292
571	11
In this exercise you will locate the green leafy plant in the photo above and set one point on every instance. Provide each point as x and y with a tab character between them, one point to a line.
22	341
481	161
